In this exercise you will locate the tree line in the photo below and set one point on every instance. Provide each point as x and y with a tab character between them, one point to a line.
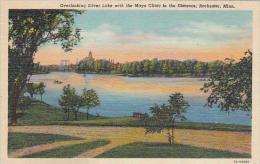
40	69
151	67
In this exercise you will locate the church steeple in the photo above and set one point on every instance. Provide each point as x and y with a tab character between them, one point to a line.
90	55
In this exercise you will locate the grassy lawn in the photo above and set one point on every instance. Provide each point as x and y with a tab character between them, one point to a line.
134	122
117	121
69	151
22	140
41	114
160	150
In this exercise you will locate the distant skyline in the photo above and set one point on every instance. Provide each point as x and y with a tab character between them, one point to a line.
138	34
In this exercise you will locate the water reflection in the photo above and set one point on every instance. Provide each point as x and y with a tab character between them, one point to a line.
120	96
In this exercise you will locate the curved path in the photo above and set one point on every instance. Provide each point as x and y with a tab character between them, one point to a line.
43	147
221	140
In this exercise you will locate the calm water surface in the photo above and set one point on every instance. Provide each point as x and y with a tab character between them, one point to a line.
121	96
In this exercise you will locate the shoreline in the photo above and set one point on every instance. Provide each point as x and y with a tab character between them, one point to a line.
51	115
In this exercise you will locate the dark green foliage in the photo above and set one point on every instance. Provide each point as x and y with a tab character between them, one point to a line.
22	140
28	30
40	69
90	99
230	85
70	101
147	67
66	100
69	151
24	103
77	103
161	150
35	88
40	89
165	116
31	88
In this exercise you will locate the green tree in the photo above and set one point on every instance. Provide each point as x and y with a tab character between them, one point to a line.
199	68
165	68
28	30
134	68
146	68
138	68
24	103
90	99
165	116
230	86
77	104
41	89
192	67
125	68
36	68
153	65
31	88
205	69
214	66
67	100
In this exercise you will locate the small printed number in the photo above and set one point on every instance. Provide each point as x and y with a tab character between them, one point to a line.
241	161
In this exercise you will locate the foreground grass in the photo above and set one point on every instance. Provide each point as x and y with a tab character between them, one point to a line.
22	140
161	150
43	114
69	151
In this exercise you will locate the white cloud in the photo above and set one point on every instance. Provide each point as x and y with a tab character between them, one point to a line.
195	35
213	29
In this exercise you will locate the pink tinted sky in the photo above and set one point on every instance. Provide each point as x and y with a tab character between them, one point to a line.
200	35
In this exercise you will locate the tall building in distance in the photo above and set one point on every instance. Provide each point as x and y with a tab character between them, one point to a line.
89	57
64	65
64	62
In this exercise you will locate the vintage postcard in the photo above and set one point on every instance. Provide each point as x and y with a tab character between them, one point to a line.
130	82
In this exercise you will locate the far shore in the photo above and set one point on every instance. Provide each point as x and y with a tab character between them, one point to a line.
128	75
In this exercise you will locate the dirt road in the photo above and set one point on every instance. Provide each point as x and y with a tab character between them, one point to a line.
223	140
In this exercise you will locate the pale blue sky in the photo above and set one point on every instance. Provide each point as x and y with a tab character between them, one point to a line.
159	21
162	22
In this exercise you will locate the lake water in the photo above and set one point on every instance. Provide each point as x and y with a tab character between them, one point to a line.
121	96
